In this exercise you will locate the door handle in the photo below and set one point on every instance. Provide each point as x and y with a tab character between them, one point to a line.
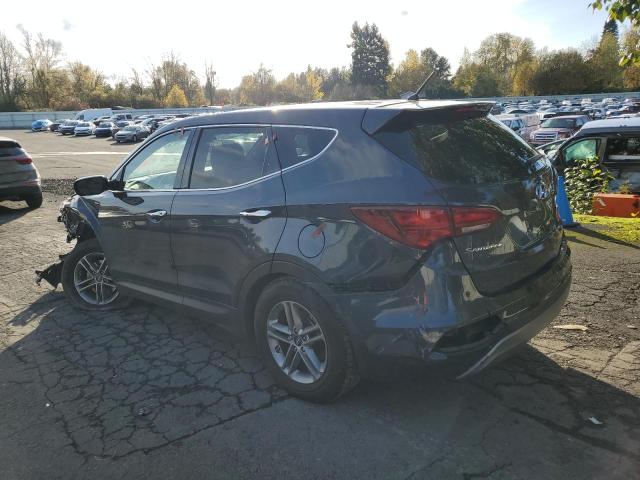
255	213
156	215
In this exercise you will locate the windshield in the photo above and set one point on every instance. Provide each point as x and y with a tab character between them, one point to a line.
130	128
559	123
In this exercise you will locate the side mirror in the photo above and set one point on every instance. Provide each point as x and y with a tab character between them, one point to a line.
91	185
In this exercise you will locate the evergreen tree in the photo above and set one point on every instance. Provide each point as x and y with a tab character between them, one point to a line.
611	26
370	57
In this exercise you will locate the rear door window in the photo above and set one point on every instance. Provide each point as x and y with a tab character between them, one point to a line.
622	150
230	156
468	151
298	144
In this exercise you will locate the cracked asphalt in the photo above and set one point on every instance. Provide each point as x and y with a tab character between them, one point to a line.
151	393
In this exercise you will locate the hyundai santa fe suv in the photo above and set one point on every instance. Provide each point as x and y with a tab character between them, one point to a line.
335	236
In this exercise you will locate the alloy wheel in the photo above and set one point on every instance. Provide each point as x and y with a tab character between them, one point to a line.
297	342
92	280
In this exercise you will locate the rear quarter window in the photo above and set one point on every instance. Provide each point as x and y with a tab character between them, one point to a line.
470	151
297	144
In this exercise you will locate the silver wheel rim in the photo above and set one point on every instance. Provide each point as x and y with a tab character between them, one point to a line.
297	342
92	280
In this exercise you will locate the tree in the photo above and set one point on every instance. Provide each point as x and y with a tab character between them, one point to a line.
42	58
605	73
12	82
86	83
631	73
369	58
176	98
621	10
210	83
257	88
409	75
611	26
173	71
561	72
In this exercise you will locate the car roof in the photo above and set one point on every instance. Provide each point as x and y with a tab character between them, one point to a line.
611	125
316	114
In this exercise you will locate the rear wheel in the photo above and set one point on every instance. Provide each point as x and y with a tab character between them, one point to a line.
305	347
34	201
86	279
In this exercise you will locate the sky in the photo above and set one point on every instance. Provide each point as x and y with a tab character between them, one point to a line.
285	36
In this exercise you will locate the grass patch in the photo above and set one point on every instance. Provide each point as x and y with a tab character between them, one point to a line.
622	229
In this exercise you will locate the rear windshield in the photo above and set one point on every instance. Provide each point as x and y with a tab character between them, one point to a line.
10	149
559	123
471	151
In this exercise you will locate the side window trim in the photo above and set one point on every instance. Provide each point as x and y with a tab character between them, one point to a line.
195	141
118	173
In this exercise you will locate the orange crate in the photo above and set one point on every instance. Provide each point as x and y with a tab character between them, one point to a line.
616	205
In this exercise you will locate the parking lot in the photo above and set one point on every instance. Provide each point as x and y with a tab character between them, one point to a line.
150	393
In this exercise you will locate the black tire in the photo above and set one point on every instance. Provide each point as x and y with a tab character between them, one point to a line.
68	268
341	373
34	201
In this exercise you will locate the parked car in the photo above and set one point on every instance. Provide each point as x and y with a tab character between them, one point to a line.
19	177
55	125
389	230
68	127
131	133
105	129
522	124
84	128
616	144
557	128
99	120
41	125
118	117
119	125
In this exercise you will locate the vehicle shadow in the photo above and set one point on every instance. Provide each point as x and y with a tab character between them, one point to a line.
588	232
144	377
10	211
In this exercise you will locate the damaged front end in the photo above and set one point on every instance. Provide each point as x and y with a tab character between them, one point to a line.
75	226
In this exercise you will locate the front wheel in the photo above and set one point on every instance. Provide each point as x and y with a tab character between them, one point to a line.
86	279
305	346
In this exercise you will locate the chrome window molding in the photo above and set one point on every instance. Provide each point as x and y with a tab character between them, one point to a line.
265	177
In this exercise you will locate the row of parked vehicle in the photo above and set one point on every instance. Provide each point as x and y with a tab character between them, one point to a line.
121	127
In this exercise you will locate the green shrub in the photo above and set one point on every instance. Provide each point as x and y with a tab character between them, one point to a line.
582	181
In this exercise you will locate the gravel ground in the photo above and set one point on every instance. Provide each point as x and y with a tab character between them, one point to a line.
58	186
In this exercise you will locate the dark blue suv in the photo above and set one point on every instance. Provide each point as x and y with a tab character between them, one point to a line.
334	235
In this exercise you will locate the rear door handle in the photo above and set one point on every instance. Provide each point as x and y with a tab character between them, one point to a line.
156	215
256	213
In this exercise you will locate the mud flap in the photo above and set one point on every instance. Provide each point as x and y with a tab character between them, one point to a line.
52	274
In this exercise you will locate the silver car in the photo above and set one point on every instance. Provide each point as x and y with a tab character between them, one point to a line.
131	133
19	178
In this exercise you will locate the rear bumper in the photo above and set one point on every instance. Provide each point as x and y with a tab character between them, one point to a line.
18	192
441	321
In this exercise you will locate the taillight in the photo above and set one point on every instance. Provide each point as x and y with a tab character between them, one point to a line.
419	227
24	160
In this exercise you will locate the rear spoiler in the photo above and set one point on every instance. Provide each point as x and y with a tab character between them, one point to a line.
402	115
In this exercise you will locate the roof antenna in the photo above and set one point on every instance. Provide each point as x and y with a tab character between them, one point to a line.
416	95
